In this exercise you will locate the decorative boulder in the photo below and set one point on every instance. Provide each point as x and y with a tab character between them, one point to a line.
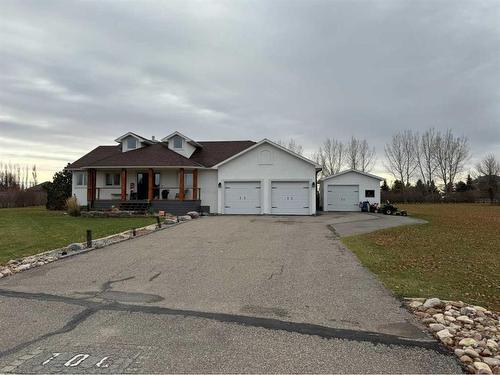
75	247
194	214
432	302
185	218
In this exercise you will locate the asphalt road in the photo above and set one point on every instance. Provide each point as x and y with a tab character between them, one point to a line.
218	294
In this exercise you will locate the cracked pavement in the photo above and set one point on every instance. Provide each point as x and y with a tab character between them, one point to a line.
218	294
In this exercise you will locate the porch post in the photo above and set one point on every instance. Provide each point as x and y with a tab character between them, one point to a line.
124	184
150	184
181	184
195	184
91	187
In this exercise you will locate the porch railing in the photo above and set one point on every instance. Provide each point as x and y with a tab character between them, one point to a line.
159	193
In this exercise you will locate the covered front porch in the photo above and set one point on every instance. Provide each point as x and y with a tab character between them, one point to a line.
168	189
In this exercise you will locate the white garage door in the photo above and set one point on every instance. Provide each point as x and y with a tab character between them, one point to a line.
242	197
342	198
290	198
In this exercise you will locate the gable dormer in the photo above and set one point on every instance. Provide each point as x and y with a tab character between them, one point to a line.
181	144
131	141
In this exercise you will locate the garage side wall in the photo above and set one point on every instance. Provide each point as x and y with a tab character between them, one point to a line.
207	181
267	163
352	178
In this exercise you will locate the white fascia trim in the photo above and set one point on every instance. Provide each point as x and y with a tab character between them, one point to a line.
189	140
130	134
355	171
265	140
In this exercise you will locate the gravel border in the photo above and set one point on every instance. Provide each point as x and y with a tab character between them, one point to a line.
472	332
25	263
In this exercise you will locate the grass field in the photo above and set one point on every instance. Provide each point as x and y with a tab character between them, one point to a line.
455	256
26	231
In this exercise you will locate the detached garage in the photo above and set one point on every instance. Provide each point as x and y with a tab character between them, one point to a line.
343	191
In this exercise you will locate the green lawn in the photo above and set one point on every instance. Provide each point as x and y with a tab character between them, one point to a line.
31	230
455	256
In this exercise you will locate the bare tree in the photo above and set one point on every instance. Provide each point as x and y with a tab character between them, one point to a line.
34	175
292	145
426	155
359	155
401	156
489	172
331	156
451	154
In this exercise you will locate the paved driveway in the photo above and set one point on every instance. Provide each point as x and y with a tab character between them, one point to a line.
219	294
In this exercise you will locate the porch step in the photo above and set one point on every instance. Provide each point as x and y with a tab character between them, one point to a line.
134	206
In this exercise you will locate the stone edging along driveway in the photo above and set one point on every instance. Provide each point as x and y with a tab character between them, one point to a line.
37	260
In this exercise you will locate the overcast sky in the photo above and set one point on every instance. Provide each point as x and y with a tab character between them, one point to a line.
74	75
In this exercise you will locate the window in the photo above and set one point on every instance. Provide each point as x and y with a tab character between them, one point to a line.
81	178
177	141
112	179
131	143
188	179
369	193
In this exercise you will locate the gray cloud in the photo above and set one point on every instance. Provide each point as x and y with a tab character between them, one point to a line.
78	74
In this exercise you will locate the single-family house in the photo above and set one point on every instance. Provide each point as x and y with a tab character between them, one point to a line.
178	174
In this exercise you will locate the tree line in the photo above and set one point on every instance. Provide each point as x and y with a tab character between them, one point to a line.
428	163
16	183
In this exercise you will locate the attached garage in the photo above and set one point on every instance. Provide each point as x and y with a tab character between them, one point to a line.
268	179
290	198
345	190
242	197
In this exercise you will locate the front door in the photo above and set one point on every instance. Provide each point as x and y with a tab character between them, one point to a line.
142	185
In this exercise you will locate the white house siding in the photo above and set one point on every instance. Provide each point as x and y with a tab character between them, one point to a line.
351	178
267	163
207	182
80	192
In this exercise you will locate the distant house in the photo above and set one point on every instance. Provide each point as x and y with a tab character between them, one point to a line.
179	174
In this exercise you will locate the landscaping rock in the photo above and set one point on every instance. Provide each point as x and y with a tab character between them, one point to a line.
482	368
433	302
444	333
465	319
23	267
467	342
466	359
185	218
75	247
471	331
492	362
471	353
436	327
492	344
194	214
415	304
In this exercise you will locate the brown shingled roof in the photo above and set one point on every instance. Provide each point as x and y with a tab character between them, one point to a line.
159	155
95	155
214	152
